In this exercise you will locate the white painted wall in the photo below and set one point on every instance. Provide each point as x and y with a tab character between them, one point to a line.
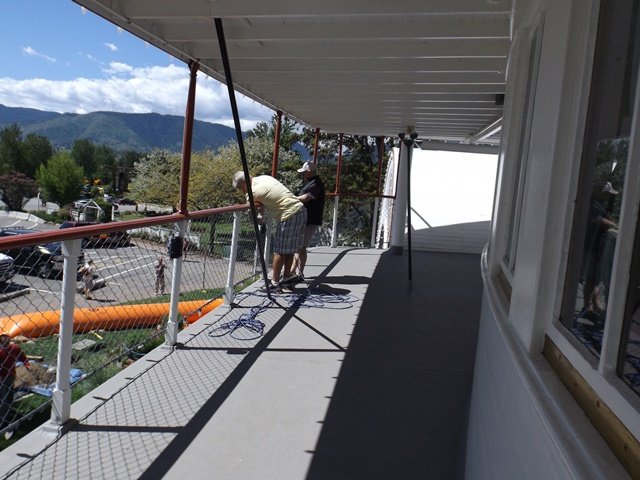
449	188
451	200
523	423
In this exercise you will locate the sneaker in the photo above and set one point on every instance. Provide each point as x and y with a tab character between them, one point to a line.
275	287
292	279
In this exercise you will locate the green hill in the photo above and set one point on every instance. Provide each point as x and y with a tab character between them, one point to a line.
120	131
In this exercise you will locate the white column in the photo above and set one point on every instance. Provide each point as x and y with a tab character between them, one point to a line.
229	292
374	222
61	398
171	334
334	231
399	218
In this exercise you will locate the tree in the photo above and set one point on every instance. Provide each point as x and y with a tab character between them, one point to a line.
16	189
10	151
105	162
60	179
157	178
36	150
289	134
83	152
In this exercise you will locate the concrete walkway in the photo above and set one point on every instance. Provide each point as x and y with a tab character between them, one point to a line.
365	375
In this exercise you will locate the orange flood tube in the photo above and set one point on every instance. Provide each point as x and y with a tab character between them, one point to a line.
43	324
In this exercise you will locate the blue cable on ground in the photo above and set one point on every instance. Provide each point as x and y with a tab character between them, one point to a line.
247	321
308	298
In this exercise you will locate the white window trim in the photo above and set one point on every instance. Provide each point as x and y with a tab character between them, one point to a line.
600	373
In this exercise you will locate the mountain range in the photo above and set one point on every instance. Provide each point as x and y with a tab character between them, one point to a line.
119	131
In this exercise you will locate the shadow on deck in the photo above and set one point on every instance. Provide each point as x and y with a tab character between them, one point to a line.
400	404
377	389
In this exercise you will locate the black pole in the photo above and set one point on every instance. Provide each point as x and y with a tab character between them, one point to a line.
243	156
408	143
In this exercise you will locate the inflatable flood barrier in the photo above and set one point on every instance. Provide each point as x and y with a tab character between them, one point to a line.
43	324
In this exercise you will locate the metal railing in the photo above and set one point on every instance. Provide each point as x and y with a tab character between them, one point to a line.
348	220
79	330
80	337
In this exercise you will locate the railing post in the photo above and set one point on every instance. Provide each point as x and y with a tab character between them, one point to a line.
229	292
334	233
61	397
374	223
171	333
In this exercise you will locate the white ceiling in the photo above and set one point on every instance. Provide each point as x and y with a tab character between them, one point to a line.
370	67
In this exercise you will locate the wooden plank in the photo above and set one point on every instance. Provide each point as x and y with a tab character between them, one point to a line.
623	444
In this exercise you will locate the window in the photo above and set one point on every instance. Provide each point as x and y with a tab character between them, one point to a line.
522	151
602	176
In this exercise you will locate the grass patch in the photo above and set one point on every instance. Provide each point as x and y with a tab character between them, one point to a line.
132	216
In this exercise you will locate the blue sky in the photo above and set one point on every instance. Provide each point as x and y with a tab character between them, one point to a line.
58	57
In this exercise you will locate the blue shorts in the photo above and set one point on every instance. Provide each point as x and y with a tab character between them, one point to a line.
290	233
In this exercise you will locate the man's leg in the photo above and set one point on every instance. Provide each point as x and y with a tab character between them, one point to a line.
278	262
6	398
302	260
301	255
288	262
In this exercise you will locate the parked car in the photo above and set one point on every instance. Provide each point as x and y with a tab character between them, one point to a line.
80	203
43	260
7	271
112	239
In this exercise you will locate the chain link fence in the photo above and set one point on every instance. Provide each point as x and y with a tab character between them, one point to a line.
353	223
122	303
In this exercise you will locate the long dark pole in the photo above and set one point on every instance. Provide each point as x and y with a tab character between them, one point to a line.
409	145
243	156
315	146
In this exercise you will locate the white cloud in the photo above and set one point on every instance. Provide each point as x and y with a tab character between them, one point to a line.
111	46
34	53
130	89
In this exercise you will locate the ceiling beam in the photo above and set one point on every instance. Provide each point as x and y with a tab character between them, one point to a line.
419	27
449	48
307	8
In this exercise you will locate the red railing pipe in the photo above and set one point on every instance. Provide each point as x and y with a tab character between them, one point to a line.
380	159
339	164
187	138
276	144
38	238
315	146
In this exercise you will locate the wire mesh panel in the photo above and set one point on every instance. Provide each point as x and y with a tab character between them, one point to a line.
354	222
121	304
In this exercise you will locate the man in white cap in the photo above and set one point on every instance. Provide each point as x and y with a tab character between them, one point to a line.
598	251
312	195
288	211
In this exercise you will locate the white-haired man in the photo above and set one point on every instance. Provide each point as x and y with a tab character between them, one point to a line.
288	211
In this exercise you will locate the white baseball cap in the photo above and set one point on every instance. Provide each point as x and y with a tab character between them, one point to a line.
607	187
308	167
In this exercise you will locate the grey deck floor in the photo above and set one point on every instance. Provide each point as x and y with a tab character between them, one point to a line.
374	387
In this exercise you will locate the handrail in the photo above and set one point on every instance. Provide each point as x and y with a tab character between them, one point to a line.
359	195
37	238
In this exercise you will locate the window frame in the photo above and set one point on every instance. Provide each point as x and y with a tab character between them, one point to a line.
600	373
